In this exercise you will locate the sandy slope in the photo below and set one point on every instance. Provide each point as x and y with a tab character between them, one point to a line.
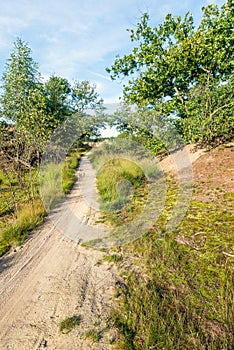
52	277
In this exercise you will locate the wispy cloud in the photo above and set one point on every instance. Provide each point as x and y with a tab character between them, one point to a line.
106	77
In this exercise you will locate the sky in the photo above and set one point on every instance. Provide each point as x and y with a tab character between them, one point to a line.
78	39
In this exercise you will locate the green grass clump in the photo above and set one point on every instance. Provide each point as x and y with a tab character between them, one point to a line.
229	196
125	171
93	335
51	189
113	258
27	217
69	323
116	180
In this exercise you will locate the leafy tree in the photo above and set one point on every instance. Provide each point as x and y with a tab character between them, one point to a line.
58	98
150	127
87	104
210	114
175	63
84	96
22	98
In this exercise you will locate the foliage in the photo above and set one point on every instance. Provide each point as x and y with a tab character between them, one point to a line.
148	127
174	66
57	91
36	110
210	115
84	96
22	99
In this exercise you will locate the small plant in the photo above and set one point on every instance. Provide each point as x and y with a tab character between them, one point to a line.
69	323
113	258
229	196
98	263
112	341
93	335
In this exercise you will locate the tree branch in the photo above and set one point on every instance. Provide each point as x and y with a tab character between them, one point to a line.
205	70
181	99
221	107
230	255
19	161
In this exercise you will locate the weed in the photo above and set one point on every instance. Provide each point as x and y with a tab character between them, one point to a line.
112	341
69	323
113	258
93	335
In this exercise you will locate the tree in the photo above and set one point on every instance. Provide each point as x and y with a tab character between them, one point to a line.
87	104
174	61
23	107
149	127
85	97
58	99
22	98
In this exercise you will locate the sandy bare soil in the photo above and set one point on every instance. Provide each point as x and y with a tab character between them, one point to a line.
180	159
52	277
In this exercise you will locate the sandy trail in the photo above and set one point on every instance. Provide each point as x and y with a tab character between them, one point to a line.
52	277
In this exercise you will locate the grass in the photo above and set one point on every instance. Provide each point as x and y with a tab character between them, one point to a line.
124	173
57	179
116	182
113	258
93	335
181	285
68	324
29	216
68	172
22	209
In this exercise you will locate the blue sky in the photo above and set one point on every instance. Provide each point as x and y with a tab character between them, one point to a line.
79	39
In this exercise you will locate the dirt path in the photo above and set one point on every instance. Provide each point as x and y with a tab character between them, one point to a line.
52	277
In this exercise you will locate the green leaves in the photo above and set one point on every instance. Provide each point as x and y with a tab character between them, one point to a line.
57	92
184	69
